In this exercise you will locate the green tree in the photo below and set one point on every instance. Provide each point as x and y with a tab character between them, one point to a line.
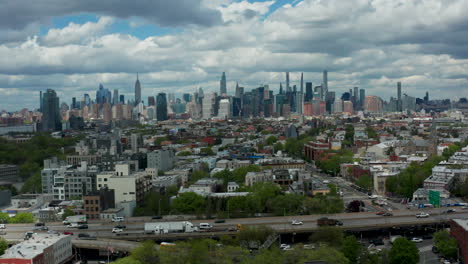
365	182
446	244
146	253
127	260
287	204
239	173
189	202
351	248
266	256
4	217
271	140
207	151
22	218
197	175
332	236
278	146
3	245
403	251
33	184
254	234
184	153
67	212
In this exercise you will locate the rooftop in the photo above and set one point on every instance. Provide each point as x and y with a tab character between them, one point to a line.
32	247
462	222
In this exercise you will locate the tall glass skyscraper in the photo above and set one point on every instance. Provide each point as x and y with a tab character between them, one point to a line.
137	91
50	111
161	107
222	84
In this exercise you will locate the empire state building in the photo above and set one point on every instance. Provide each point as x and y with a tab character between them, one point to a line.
137	91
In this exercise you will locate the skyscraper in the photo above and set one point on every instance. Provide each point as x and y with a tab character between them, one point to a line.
399	103
281	89
356	97
115	97
122	99
161	107
102	95
362	97
137	91
288	88
302	82
309	94
151	101
50	111
325	83
40	101
73	106
222	84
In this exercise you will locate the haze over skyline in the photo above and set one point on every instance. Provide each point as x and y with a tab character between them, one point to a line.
179	45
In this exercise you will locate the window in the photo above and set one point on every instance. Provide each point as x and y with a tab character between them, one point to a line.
105	179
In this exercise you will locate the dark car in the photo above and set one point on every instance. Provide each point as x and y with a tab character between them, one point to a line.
41	228
156	217
81	235
435	250
83	227
120	226
388	214
39	224
219	221
377	242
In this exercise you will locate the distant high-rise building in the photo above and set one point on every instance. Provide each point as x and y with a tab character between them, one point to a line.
137	91
151	101
161	107
338	105
288	88
348	107
187	97
239	91
171	97
399	102
40	101
302	82
373	104
325	83
281	89
107	112
87	99
208	105
115	99
122	99
103	95
362	97
73	106
50	111
426	98
224	109
356	97
309	94
222	84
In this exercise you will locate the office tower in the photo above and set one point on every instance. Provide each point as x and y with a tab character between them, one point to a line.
408	103
346	96
73	106
187	97
224	109
40	101
288	89
87	99
329	99
299	102
239	91
137	91
426	98
362	97
222	84
356	97
325	83
115	98
50	111
107	112
151	101
122	99
161	107
373	104
348	107
302	82
200	92
281	89
309	94
399	103
208	105
318	92
171	97
337	105
236	107
102	95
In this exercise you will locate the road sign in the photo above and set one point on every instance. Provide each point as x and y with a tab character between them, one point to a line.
434	198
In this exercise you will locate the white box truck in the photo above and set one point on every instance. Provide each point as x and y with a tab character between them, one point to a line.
170	227
75	220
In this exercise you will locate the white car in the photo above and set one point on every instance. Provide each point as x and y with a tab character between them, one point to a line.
296	222
2	226
417	240
117	230
285	247
422	215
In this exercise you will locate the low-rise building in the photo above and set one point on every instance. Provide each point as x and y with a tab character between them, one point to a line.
459	230
161	159
262	176
8	173
96	202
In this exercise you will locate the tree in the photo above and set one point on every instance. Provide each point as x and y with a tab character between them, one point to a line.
189	202
207	151
127	260
351	248
287	204
446	244
184	153
22	218
278	146
255	234
197	175
67	212
271	140
332	236
3	245
4	218
403	251
33	184
365	182
146	253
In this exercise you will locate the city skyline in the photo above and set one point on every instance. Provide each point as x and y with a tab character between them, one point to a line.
75	48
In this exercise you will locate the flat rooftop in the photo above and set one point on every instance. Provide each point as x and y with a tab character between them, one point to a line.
34	246
462	222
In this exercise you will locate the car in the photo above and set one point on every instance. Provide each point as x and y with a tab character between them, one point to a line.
41	228
380	213
387	214
220	221
2	226
117	230
309	246
53	232
465	207
450	211
232	229
118	219
422	215
326	181
81	235
83	227
435	250
339	223
417	240
296	222
285	247
156	217
120	226
68	233
39	224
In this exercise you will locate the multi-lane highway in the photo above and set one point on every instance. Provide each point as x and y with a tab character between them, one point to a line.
351	221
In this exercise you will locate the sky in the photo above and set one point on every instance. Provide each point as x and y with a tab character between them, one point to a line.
180	45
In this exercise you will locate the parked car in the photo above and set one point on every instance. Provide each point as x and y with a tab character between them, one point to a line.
53	232
117	230
118	219
422	215
380	213
296	222
285	246
450	211
2	226
156	217
39	224
417	240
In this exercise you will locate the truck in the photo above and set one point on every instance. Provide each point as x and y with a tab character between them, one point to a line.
75	220
324	221
170	227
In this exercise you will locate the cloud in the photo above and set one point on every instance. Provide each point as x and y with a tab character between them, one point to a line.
20	13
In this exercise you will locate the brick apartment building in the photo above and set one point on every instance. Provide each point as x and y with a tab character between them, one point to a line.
459	230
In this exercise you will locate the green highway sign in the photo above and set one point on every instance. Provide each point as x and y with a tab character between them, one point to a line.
434	198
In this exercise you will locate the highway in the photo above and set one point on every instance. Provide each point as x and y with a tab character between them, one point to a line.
282	224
